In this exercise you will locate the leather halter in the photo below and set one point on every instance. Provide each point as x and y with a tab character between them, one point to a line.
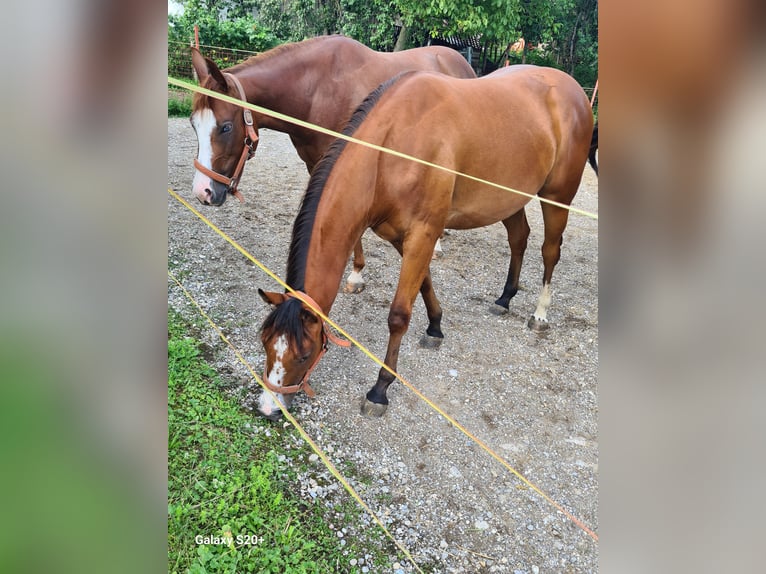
251	140
327	336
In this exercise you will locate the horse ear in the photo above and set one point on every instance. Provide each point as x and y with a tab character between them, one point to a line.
206	67
217	76
271	297
200	65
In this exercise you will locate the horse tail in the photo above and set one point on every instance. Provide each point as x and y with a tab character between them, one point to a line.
593	148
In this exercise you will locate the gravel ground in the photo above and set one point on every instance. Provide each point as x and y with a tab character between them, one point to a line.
530	397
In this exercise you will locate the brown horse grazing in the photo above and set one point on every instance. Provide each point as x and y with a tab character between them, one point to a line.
525	127
321	80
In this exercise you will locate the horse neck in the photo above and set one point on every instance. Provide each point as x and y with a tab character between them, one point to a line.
338	225
274	83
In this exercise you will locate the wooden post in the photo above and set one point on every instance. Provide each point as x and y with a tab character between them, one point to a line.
595	91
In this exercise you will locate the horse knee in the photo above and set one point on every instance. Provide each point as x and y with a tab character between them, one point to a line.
398	320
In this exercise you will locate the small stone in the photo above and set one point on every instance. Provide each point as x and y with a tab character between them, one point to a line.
313	457
452	373
443	544
352	562
535	570
530	527
481	524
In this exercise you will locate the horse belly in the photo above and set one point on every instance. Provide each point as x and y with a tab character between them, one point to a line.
475	205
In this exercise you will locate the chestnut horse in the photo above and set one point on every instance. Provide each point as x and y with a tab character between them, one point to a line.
524	127
321	80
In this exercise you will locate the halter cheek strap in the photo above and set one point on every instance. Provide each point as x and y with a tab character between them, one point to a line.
327	335
251	140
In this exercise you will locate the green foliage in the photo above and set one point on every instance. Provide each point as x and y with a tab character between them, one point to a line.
228	476
494	20
217	28
371	22
179	104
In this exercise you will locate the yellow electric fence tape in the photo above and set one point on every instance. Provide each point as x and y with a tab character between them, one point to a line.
375	359
327	462
289	119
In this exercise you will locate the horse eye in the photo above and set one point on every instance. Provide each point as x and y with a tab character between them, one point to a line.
303	359
226	128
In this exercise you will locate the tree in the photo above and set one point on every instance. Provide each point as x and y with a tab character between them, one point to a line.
493	20
223	23
372	22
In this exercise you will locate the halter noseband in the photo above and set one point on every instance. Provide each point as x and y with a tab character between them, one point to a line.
251	139
327	335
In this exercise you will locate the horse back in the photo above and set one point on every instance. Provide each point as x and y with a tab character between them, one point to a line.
519	127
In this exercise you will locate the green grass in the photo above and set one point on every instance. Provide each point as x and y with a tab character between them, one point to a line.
226	478
179	104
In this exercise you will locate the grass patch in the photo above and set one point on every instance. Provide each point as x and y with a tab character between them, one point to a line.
231	475
179	104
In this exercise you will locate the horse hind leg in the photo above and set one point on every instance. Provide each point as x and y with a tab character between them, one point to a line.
433	336
355	282
518	233
555	219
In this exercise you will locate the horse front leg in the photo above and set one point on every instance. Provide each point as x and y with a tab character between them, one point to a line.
355	281
413	277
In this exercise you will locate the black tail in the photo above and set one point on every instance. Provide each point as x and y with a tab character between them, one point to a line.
593	148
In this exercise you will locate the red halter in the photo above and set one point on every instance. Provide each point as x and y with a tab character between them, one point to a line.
327	335
251	140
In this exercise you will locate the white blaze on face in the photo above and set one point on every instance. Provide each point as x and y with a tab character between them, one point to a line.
204	124
276	377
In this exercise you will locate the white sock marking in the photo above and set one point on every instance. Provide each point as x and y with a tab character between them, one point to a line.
355	278
541	313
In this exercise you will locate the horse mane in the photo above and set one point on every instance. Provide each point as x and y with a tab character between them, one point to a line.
304	221
273	53
286	318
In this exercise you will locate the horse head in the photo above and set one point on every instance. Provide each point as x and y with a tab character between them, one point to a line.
294	340
226	136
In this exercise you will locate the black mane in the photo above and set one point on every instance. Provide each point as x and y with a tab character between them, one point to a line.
304	222
286	318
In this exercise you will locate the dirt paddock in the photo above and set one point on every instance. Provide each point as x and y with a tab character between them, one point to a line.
530	397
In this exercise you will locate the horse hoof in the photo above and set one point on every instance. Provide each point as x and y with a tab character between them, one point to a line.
353	288
498	310
538	325
429	342
372	410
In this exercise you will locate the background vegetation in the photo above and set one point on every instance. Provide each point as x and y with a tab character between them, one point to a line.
564	33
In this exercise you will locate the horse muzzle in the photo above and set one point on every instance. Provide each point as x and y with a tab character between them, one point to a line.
215	194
